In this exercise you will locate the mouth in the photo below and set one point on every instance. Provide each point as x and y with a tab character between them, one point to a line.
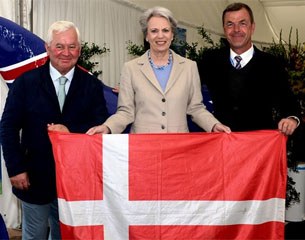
65	60
237	36
160	42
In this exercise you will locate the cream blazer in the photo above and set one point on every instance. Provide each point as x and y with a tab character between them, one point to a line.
149	109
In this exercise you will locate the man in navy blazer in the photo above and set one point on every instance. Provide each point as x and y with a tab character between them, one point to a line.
31	106
255	95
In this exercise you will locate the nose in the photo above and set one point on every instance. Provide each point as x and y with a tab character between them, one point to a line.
236	27
66	51
160	34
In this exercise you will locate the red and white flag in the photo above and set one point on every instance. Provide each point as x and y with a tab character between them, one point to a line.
171	186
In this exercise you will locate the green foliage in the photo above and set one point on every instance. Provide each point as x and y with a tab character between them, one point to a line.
194	53
294	58
134	49
87	52
292	195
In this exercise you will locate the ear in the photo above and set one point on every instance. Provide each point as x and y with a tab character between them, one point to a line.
253	27
46	47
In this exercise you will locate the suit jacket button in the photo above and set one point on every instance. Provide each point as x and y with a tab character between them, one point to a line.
163	100
163	113
162	126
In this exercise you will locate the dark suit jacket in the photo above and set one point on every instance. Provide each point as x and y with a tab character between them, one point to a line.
32	104
247	99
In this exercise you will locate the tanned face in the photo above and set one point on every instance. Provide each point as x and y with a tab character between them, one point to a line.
238	30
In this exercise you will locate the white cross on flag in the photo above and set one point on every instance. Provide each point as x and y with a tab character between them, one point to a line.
171	186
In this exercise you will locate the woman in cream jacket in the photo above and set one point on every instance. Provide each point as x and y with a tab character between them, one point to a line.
160	88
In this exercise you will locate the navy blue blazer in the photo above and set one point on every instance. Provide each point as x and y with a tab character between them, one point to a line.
32	104
255	97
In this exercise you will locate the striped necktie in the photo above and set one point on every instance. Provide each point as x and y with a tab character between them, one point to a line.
238	59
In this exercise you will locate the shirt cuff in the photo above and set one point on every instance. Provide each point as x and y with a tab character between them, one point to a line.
295	118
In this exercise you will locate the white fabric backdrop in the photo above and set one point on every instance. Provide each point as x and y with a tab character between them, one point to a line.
109	22
9	205
114	22
8	9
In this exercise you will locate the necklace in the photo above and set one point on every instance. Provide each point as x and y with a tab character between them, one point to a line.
169	61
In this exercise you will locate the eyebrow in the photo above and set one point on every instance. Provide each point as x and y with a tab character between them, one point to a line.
155	28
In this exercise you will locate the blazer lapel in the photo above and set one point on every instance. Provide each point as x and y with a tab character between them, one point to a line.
76	85
147	71
47	83
177	68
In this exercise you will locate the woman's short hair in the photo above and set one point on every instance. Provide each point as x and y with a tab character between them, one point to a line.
61	26
159	12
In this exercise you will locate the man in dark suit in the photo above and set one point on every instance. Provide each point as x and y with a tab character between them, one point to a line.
31	106
254	93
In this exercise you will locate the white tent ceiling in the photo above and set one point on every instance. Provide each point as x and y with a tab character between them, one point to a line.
271	16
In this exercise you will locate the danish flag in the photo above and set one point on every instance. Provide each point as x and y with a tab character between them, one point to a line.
171	186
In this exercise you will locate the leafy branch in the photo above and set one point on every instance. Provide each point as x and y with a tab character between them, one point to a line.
87	52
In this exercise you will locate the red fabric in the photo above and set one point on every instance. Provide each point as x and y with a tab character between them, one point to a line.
177	167
198	160
79	167
82	232
240	232
16	72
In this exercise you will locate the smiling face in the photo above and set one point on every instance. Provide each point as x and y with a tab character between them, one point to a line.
238	30
64	50
159	34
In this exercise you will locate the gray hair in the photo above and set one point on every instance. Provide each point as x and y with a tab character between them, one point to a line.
61	26
160	12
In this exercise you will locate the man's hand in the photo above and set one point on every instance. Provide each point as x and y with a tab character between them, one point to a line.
287	125
58	127
20	181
